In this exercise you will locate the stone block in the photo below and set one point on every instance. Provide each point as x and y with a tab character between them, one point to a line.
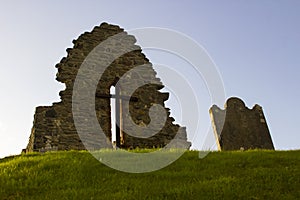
238	127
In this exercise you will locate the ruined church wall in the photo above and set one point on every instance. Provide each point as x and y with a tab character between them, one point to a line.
53	126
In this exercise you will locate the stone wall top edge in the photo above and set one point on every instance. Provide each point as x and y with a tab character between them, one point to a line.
238	100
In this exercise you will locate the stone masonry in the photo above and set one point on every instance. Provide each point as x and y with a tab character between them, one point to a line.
238	127
53	126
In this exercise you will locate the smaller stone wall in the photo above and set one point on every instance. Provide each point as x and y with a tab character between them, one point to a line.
238	127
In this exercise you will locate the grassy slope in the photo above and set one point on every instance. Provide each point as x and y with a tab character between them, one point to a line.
220	175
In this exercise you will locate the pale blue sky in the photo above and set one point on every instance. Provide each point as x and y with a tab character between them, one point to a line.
255	44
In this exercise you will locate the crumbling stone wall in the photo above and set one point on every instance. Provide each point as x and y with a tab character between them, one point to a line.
238	127
53	126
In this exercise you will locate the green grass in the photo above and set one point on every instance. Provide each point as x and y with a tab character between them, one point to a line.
220	175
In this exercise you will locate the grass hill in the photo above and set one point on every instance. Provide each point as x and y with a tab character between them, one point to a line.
219	175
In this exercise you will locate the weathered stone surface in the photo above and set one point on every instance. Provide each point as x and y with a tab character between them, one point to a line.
238	127
53	126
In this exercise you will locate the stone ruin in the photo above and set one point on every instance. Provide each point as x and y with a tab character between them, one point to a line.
240	128
53	126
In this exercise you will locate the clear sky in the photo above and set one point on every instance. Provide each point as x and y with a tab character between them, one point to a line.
255	44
